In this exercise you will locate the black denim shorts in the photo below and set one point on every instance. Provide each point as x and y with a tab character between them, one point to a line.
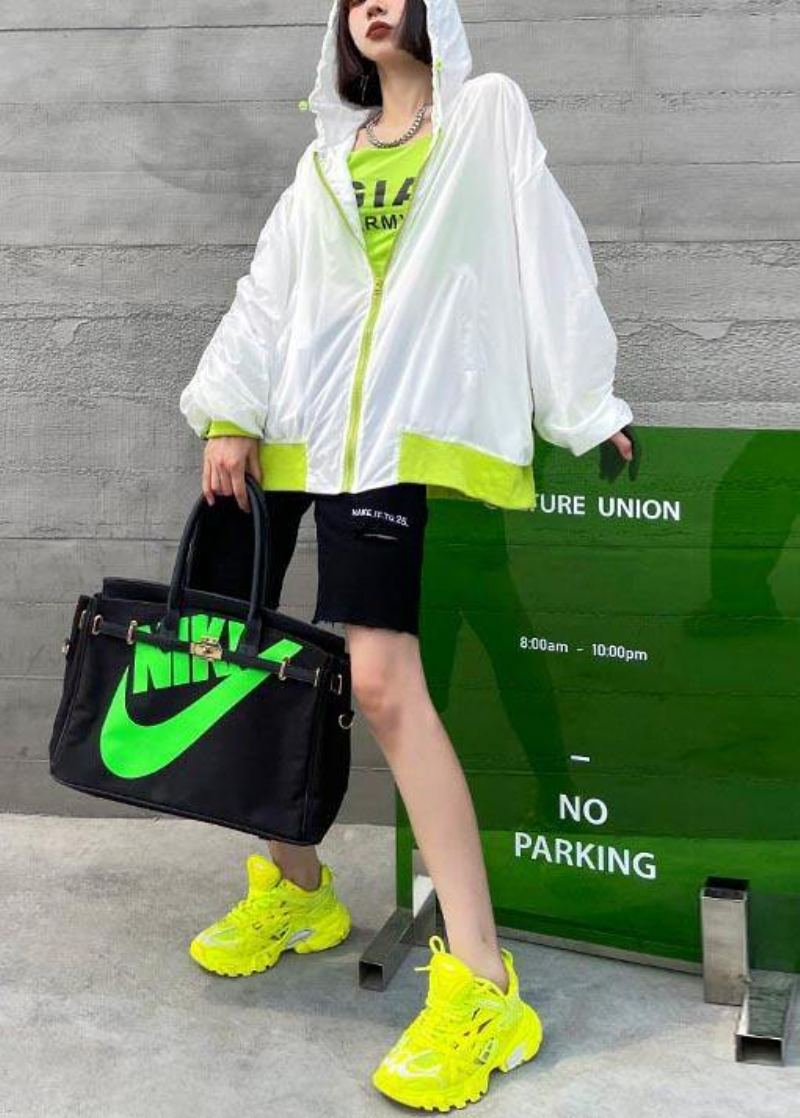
370	549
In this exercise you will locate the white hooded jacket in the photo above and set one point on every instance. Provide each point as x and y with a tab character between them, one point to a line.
487	316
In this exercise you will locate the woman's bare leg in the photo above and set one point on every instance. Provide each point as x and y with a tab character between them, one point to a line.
389	684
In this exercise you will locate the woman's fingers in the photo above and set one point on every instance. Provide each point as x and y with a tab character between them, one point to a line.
623	445
217	484
224	468
239	487
208	491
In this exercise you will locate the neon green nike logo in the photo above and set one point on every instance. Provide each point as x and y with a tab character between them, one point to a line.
130	749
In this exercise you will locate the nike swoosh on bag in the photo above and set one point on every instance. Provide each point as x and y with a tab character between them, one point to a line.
130	749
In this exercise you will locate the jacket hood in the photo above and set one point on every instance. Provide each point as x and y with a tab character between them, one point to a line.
337	119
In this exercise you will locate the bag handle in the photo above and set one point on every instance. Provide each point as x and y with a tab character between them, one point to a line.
251	638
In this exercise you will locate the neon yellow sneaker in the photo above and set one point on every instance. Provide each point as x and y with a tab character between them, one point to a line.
466	1028
275	915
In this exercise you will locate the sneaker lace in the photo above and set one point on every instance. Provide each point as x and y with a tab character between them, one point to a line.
437	1021
246	908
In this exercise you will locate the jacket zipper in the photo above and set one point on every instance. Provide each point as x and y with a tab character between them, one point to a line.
372	314
358	385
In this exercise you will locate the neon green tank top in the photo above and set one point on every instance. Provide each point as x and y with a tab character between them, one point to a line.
383	181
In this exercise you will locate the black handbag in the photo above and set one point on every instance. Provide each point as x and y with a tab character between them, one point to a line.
206	705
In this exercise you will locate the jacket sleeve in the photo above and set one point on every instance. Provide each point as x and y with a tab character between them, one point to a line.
572	348
232	380
223	427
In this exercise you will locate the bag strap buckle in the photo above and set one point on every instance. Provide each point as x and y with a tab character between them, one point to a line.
337	690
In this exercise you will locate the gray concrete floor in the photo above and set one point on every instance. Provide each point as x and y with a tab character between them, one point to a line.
104	1014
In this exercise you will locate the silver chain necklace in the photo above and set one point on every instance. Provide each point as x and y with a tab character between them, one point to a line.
414	127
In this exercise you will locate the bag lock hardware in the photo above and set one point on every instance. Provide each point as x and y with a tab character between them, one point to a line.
207	647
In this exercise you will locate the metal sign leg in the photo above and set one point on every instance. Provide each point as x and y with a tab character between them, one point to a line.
406	927
766	997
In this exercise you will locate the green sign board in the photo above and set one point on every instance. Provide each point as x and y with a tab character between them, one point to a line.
619	672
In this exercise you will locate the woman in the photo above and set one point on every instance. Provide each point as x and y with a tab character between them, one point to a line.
420	287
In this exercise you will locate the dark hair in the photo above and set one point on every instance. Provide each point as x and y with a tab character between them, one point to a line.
353	67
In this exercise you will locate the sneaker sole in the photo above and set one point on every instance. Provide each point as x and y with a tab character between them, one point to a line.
328	933
523	1046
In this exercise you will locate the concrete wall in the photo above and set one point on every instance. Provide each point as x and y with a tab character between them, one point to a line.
142	146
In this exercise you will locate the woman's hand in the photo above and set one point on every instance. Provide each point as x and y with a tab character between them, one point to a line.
618	449
226	458
623	445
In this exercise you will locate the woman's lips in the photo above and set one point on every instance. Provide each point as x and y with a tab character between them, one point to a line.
378	29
